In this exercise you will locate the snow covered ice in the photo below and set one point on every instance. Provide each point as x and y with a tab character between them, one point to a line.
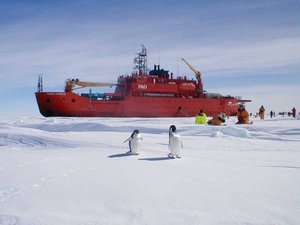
74	171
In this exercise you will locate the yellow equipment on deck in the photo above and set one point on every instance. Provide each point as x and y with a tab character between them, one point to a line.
197	73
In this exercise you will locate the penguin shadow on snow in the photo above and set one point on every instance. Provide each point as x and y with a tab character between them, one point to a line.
120	155
156	158
127	154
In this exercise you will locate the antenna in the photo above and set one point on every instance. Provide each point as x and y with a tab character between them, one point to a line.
177	67
40	83
159	56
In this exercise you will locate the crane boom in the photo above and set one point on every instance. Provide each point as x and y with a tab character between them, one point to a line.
197	73
70	84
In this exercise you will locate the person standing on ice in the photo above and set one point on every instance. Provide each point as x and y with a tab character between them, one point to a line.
175	143
201	118
134	142
242	115
294	112
262	112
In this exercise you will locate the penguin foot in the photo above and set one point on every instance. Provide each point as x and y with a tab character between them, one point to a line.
174	156
130	153
171	156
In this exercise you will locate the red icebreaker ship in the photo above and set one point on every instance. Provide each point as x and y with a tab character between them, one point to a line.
142	94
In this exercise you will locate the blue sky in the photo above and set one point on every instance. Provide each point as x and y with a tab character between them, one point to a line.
243	48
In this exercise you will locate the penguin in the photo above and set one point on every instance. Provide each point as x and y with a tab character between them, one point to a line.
175	143
134	142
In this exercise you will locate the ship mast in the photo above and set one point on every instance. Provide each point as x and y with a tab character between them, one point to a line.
140	61
40	84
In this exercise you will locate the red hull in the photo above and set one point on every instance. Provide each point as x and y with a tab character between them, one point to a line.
70	104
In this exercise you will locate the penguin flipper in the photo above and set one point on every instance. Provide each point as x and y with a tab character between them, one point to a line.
128	139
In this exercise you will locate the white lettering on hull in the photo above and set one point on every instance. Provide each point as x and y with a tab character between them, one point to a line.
56	93
142	86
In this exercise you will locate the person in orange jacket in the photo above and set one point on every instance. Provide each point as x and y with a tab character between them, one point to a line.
217	120
242	115
262	112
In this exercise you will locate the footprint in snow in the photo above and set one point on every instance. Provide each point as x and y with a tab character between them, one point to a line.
48	178
69	172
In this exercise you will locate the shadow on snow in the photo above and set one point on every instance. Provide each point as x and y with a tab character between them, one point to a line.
120	155
156	158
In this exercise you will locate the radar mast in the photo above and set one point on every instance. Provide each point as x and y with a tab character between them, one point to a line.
140	61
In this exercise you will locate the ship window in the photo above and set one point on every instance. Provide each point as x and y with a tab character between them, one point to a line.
48	100
73	100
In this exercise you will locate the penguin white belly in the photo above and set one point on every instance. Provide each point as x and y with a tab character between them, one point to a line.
175	144
134	144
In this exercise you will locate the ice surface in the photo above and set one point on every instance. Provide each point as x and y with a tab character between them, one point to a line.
75	171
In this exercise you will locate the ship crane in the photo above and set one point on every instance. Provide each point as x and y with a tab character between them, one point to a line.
197	73
70	84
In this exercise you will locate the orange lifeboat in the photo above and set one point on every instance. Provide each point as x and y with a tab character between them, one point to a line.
186	87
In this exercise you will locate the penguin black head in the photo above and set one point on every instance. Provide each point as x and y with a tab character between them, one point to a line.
172	128
135	132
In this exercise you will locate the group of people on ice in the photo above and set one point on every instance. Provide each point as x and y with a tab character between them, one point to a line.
261	113
242	117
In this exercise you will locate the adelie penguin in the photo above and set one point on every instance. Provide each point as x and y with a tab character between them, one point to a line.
134	142
175	143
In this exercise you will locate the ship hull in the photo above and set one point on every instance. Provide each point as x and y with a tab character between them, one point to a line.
69	104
